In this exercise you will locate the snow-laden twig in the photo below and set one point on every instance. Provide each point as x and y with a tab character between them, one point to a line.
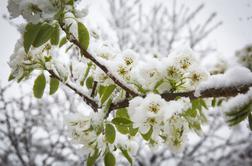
233	82
236	76
87	55
90	101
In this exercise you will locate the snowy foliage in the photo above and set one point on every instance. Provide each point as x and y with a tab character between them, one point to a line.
244	56
133	85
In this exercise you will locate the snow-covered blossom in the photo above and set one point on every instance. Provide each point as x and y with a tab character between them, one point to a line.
79	126
85	130
148	112
105	51
22	63
101	77
17	59
173	72
196	76
153	112
176	107
123	71
185	58
127	143
34	10
175	133
130	58
146	73
60	69
77	69
79	13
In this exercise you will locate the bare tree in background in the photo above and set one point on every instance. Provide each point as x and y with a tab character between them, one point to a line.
161	28
32	132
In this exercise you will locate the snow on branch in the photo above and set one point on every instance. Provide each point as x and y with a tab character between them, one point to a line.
91	102
235	81
100	65
234	78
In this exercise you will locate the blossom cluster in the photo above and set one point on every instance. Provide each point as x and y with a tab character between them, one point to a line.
179	71
89	131
161	119
41	58
40	10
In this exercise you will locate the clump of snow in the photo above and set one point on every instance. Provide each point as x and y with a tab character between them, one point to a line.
237	102
234	76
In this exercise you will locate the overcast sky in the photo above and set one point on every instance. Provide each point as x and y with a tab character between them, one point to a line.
234	34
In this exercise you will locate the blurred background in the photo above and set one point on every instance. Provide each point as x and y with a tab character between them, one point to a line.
32	131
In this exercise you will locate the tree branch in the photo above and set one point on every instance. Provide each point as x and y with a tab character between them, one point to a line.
92	103
212	92
87	55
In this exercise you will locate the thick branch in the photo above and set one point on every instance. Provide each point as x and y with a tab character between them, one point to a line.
87	55
212	92
86	99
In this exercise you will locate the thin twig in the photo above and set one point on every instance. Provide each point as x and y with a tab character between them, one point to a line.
92	103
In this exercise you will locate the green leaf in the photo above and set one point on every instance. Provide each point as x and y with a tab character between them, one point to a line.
121	121
39	86
83	35
44	34
101	90
190	113
238	112
110	133
63	41
219	102
92	158
133	131
123	113
122	129
89	82
147	135
250	121
107	106
70	2
11	77
196	104
107	92
55	35
238	118
196	127
214	102
85	73
160	82
126	155
109	159
203	117
203	103
54	85
30	34
140	88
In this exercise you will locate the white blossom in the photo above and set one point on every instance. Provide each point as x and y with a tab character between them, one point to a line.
34	10
147	112
176	107
147	73
175	130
